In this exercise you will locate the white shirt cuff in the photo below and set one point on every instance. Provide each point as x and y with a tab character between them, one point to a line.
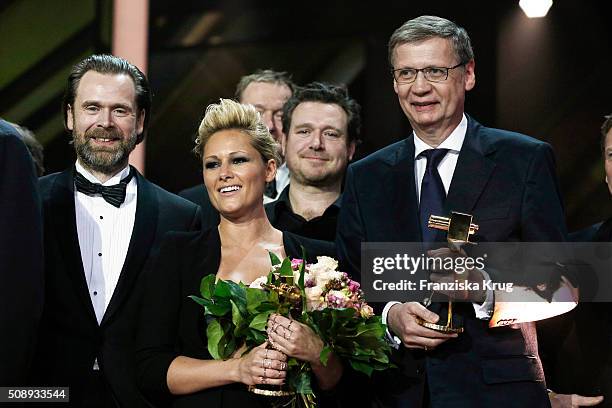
484	311
394	340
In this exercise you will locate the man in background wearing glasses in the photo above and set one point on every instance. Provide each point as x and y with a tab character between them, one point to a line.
451	163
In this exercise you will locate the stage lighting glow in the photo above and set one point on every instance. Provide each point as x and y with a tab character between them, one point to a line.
535	8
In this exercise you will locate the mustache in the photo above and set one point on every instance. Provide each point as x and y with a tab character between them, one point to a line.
102	133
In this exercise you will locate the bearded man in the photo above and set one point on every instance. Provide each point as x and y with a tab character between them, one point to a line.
103	223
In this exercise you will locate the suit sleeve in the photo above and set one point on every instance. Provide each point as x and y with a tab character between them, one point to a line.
350	231
21	259
158	323
542	218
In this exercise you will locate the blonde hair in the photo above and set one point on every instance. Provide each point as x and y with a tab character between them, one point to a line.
229	114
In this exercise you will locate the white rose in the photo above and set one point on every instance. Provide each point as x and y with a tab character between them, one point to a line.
314	300
324	264
325	277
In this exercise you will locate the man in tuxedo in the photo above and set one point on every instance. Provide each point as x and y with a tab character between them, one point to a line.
103	226
451	163
268	91
21	258
321	123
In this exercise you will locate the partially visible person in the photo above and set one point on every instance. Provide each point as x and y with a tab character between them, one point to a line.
103	225
322	125
174	367
267	91
21	258
33	145
579	361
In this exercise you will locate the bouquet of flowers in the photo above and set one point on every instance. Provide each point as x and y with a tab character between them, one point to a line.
317	295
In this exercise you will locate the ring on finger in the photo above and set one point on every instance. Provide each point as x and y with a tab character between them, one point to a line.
283	366
425	348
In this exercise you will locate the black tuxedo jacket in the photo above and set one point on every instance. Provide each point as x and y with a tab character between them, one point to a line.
70	338
507	181
21	258
171	324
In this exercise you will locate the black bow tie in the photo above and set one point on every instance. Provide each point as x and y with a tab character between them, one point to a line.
114	195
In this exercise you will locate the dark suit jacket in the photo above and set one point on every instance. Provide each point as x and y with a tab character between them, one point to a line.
199	195
70	338
172	324
21	258
507	181
578	345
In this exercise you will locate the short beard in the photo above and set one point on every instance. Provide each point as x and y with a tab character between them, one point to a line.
103	160
318	181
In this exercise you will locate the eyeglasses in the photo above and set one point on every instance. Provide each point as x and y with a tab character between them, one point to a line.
432	74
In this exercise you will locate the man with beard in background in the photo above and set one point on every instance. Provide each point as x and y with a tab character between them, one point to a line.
103	223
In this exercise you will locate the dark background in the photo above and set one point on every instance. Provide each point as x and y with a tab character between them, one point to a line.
549	78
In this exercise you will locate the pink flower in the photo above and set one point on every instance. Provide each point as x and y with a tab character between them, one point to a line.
354	286
295	263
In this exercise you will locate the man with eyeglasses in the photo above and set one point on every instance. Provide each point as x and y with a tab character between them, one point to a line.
451	163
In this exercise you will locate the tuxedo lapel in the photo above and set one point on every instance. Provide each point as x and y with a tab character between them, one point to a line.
143	236
472	173
400	189
62	217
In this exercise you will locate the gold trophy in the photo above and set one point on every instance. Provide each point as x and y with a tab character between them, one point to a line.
459	227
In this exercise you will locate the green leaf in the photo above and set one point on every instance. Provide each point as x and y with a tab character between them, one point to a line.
237	318
254	299
324	357
207	286
302	268
199	300
273	258
259	321
214	332
302	383
222	289
361	367
285	269
219	309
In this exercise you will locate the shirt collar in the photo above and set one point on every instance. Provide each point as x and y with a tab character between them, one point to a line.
110	182
283	201
453	142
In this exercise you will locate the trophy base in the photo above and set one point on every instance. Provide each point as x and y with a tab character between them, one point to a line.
440	328
270	391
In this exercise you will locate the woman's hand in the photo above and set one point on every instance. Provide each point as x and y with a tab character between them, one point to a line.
262	366
294	339
298	340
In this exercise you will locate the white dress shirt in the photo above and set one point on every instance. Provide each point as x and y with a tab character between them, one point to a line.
104	233
446	169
